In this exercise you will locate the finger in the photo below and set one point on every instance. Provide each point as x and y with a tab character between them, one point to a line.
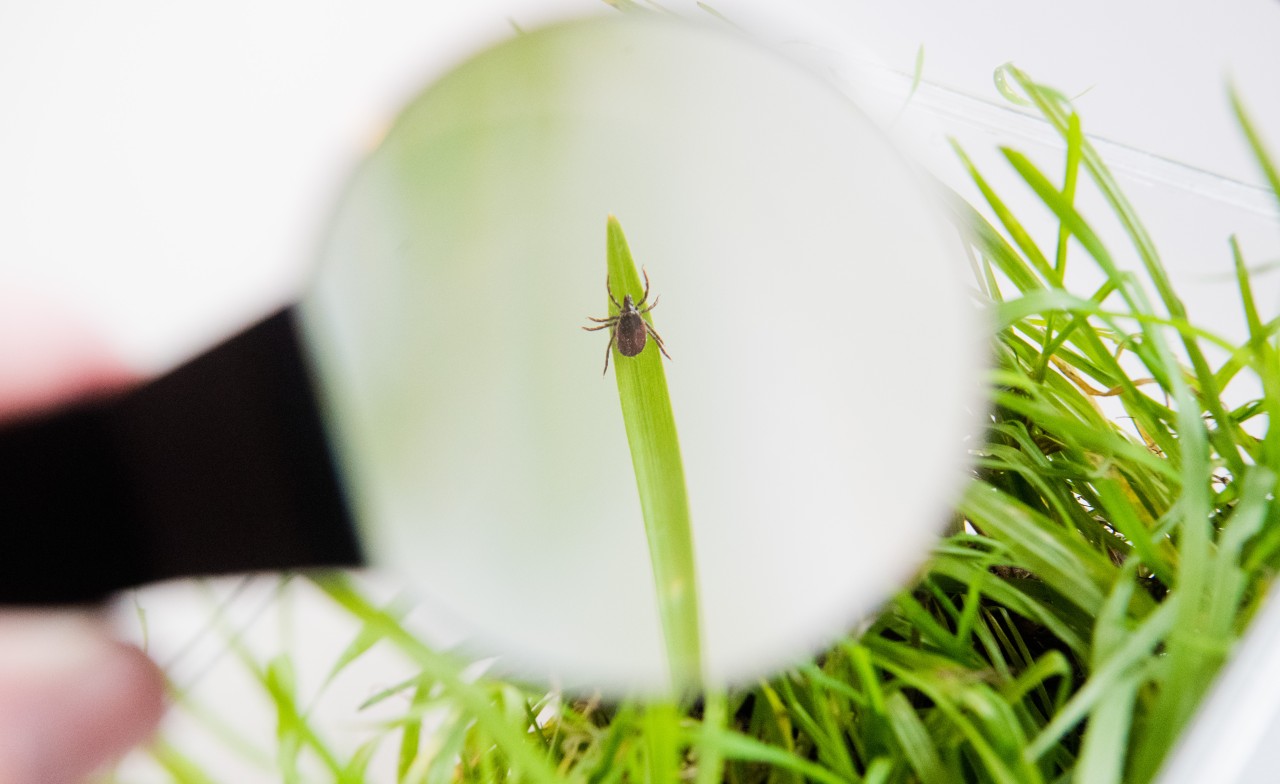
71	698
49	355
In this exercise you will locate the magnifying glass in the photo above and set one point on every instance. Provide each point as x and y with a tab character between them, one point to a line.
719	218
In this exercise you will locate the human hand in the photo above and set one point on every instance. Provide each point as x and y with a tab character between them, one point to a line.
72	698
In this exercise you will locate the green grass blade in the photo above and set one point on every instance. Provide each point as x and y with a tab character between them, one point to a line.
181	769
735	745
1265	161
294	730
1106	738
365	639
715	719
1034	256
655	456
1056	109
661	724
1133	652
1266	358
1075	144
1068	565
513	740
411	733
918	748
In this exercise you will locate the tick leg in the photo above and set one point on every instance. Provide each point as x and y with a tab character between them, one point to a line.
644	272
607	351
595	329
609	290
657	338
651	307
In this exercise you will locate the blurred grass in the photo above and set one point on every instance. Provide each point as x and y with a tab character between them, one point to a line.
1099	571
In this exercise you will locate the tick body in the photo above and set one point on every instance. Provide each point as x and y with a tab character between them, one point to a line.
628	329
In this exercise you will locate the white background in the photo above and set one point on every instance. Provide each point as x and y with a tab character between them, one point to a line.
166	167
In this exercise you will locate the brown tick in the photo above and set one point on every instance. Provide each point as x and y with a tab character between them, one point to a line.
628	329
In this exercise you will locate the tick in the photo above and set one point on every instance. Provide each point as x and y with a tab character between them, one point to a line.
628	329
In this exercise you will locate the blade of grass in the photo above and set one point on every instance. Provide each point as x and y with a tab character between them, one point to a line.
411	733
661	724
1007	596
1075	138
1266	356
1106	738
1056	109
1075	141
655	456
735	745
913	739
715	717
990	731
608	766
180	767
294	731
1265	160
1033	255
511	739
365	639
1133	652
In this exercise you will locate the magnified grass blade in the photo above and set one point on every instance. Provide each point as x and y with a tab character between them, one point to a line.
655	456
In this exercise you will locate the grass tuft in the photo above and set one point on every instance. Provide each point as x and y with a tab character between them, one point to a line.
1100	570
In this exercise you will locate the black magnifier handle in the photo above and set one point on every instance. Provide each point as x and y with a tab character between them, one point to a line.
220	466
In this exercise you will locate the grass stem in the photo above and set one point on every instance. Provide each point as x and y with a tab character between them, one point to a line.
655	456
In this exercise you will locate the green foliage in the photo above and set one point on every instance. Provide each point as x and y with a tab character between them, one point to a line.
1101	566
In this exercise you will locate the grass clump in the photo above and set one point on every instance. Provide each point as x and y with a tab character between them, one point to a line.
1101	566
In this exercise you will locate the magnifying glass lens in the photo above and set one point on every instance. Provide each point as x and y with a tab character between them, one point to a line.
822	364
